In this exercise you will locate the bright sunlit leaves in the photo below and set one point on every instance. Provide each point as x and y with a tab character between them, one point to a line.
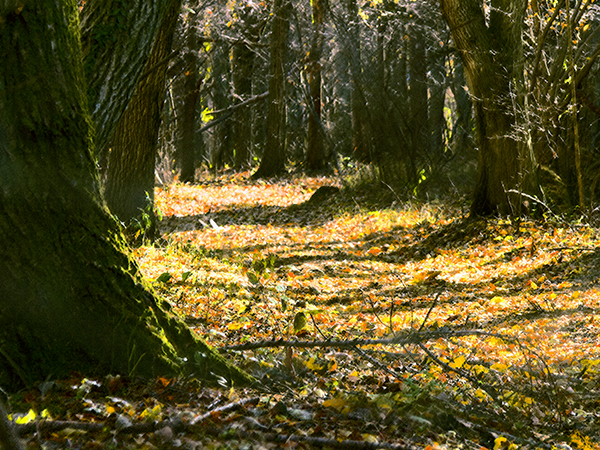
247	262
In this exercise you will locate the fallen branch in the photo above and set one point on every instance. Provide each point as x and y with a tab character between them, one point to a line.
403	339
142	427
333	443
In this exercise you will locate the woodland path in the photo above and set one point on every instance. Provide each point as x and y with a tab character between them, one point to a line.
486	333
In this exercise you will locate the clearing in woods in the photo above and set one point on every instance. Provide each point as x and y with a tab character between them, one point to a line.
417	329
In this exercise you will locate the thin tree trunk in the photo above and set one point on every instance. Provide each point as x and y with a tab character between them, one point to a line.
188	87
315	151
273	161
360	121
242	60
71	296
242	68
417	94
222	133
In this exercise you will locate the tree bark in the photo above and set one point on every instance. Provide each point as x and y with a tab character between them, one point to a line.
360	121
129	186
71	297
492	54
273	160
186	88
117	37
315	150
221	96
417	93
242	65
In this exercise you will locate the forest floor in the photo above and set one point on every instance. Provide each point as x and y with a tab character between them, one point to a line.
404	327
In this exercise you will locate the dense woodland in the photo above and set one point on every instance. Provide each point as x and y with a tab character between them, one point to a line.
252	224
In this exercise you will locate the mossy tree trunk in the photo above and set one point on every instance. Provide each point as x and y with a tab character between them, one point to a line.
129	185
71	297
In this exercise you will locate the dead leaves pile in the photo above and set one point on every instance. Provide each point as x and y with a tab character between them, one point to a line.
472	334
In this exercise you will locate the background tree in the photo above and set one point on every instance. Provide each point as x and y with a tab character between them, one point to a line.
315	145
129	185
242	64
71	298
187	86
274	157
492	53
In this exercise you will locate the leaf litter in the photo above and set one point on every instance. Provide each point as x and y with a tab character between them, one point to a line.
366	327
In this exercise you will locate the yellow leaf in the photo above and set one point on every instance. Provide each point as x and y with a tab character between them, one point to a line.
337	402
299	322
500	442
151	413
30	417
235	326
496	300
458	362
499	367
369	438
480	369
311	364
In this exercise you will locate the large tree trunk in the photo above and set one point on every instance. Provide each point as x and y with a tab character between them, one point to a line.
492	54
71	298
273	161
315	150
129	186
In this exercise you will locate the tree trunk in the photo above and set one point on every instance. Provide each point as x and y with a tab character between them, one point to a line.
222	133
273	161
315	151
117	37
187	86
129	186
360	121
417	93
492	54
186	124
71	297
242	60
242	67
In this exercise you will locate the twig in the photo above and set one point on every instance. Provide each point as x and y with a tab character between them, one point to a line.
224	408
487	388
429	312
